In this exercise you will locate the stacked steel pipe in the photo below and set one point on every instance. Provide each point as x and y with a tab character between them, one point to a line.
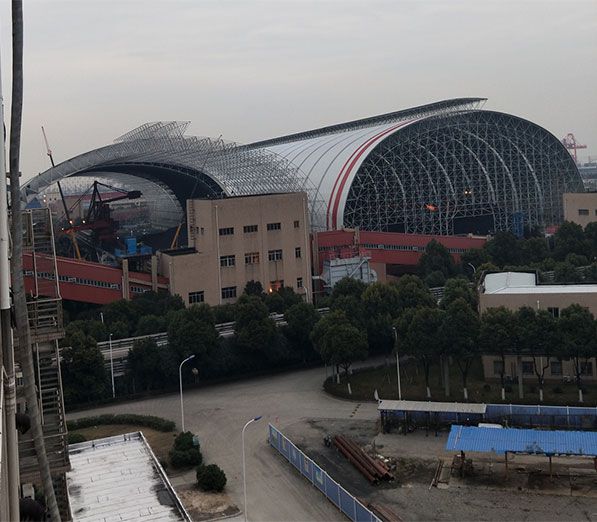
371	468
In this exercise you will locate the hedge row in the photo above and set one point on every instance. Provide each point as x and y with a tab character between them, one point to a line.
149	421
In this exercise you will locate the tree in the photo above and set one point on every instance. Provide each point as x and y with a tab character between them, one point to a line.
146	364
354	309
534	250
460	332
84	375
435	279
323	325
211	478
475	257
458	288
537	338
497	337
156	303
274	302
566	273
348	286
436	258
192	331
412	293
343	344
570	239
121	311
421	338
591	236
504	249
150	324
381	299
255	330
300	320
254	288
578	339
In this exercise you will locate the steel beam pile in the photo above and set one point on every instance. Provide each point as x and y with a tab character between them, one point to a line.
372	469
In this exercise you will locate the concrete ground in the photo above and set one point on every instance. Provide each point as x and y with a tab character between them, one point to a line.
275	492
296	404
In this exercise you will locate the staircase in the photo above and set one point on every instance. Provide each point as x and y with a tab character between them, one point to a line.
45	321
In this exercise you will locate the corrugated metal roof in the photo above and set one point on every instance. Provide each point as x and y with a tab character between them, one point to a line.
119	478
428	406
511	440
525	283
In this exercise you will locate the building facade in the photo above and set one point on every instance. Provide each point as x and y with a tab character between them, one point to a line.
239	239
580	207
513	290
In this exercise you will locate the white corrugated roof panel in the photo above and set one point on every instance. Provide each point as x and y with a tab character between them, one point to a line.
525	283
119	478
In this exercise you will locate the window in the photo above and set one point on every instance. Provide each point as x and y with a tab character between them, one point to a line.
498	367
527	367
583	211
247	229
586	368
297	252
274	255
196	297
555	312
227	261
228	231
299	282
229	292
555	367
252	258
297	224
274	286
274	226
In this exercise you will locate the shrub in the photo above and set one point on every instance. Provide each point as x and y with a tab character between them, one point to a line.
486	388
184	441
149	421
185	458
211	478
75	438
557	389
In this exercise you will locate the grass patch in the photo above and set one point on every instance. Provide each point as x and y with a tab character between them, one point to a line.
383	379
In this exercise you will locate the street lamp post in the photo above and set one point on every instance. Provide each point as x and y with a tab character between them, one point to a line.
180	381
112	368
255	419
397	363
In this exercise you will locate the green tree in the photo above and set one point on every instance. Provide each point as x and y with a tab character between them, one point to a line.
321	327
435	279
343	344
421	338
83	372
475	257
566	273
591	237
537	338
504	249
254	288
150	324
192	331
381	299
353	308
534	250
412	293
211	478
436	258
348	286
121	311
154	303
300	320
460	332
570	239
255	330
578	339
148	366
458	288
120	329
380	306
274	302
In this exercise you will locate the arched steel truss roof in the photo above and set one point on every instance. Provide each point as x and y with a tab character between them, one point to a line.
438	170
441	168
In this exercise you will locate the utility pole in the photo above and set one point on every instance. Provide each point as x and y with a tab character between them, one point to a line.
8	354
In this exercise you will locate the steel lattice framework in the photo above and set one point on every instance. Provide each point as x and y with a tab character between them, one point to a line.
442	168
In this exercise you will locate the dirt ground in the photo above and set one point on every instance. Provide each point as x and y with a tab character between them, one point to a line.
200	504
527	494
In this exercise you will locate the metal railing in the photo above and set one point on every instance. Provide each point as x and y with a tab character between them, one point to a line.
333	491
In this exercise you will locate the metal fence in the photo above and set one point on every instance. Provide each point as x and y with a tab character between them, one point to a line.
334	492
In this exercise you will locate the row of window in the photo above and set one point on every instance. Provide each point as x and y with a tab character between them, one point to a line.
401	248
249	229
555	368
84	281
229	292
252	258
585	211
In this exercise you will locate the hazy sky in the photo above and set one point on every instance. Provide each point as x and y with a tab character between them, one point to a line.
249	70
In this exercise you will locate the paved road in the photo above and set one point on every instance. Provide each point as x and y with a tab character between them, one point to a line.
217	414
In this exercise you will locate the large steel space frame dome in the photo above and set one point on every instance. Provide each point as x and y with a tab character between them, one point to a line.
444	168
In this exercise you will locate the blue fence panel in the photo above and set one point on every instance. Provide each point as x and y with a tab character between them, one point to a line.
346	503
362	513
331	490
319	477
335	493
